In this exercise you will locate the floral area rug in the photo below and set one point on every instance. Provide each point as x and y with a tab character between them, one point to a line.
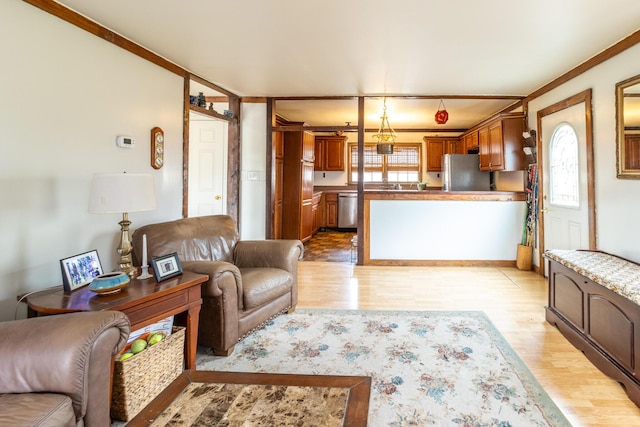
427	367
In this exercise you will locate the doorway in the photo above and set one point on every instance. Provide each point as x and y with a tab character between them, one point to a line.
566	221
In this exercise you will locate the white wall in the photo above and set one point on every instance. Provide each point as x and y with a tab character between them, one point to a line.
64	97
617	201
253	184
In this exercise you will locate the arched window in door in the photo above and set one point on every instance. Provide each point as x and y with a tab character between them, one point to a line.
564	167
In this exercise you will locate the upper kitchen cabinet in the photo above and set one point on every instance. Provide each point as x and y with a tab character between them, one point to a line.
500	143
329	152
437	147
297	194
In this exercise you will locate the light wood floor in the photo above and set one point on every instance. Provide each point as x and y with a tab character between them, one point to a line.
514	300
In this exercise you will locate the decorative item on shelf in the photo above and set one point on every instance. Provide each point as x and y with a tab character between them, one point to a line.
157	148
79	270
123	193
228	113
109	283
441	115
211	107
202	100
193	100
386	136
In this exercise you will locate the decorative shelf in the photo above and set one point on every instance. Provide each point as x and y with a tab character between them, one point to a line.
211	113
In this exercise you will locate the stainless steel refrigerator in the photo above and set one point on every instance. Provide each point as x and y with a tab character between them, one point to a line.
461	172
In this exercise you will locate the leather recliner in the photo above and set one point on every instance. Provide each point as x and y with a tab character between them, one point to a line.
56	370
250	281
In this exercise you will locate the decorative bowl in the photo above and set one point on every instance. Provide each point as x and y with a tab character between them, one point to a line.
109	283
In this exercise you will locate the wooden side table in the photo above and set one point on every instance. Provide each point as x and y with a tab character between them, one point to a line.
143	301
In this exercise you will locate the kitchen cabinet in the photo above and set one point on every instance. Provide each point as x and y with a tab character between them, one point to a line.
500	144
331	210
437	147
297	194
470	141
329	152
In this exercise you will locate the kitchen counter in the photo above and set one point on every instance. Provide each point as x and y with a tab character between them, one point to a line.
434	227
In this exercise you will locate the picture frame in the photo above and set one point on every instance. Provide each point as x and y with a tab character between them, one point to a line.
166	266
80	270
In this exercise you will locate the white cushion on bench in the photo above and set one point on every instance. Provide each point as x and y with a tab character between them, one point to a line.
616	274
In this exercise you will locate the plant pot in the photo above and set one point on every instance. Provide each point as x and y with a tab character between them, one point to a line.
524	257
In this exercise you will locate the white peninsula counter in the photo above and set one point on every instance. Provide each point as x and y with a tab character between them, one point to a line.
433	227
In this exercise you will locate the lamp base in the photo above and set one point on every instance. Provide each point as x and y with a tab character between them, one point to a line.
124	250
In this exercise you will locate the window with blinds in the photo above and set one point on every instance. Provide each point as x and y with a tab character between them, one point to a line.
402	166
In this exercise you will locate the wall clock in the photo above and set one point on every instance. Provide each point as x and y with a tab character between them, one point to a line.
157	148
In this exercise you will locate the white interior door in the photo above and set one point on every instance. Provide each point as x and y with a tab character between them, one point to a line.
565	208
207	166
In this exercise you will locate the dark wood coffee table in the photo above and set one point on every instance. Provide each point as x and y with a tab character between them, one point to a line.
357	401
143	301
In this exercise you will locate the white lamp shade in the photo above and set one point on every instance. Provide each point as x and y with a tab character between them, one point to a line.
122	192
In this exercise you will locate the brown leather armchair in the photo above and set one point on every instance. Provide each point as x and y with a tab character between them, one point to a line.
56	370
250	281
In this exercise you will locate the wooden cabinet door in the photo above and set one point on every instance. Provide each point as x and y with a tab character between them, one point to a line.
484	149
454	146
319	154
435	151
331	210
308	147
470	141
334	154
306	181
496	146
306	220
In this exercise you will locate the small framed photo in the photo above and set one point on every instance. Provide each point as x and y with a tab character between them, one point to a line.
79	270
166	266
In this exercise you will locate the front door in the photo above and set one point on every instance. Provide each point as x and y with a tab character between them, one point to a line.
566	192
207	166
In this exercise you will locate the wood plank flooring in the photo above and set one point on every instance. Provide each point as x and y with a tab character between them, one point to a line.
514	300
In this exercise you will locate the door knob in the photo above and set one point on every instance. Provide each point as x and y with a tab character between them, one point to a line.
544	210
218	197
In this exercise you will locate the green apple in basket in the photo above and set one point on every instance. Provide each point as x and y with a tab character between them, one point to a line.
155	338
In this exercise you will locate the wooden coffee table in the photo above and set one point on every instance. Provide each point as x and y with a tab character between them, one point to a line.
356	410
143	301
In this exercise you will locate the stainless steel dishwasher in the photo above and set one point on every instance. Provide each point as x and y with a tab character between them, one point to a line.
347	210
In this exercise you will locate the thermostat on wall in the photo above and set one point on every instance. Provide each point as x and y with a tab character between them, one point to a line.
125	141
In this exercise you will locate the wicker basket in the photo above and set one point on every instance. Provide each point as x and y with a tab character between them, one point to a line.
138	380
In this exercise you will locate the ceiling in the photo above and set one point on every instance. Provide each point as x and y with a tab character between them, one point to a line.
441	49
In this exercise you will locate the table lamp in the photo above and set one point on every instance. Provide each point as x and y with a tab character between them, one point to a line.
123	193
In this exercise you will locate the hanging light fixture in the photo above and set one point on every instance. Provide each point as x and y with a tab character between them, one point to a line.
386	136
441	115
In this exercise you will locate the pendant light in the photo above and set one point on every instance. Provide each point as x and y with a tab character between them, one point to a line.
441	115
386	136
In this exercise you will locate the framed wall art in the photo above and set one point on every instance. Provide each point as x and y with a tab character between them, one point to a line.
166	266
79	270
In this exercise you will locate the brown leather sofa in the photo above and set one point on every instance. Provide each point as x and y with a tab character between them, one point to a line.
56	370
249	281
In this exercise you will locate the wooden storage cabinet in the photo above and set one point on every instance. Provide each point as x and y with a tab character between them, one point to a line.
297	194
329	152
437	147
605	326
